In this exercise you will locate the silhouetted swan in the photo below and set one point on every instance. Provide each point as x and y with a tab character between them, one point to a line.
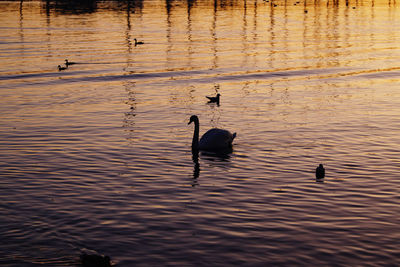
95	261
138	42
62	68
213	99
67	63
320	172
216	140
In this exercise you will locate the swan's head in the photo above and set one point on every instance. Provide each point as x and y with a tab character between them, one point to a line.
193	118
218	95
66	61
320	166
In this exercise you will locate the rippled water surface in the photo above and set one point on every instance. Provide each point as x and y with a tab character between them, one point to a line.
96	158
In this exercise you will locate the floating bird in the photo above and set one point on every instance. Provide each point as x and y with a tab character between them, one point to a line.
67	63
320	172
138	42
215	140
213	99
95	261
62	68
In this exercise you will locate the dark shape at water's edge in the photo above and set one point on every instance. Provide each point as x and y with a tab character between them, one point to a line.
71	6
134	6
91	6
94	260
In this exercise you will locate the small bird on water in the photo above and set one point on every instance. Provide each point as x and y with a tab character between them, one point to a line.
138	42
67	63
62	68
213	99
320	172
95	260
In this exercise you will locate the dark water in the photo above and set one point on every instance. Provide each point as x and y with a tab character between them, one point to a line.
97	157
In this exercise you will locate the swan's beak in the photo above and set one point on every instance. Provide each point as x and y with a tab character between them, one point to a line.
189	122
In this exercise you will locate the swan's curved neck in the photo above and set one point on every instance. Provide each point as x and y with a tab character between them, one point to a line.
195	141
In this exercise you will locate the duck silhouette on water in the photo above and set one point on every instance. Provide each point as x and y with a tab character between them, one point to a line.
214	140
320	172
62	68
68	63
213	99
138	42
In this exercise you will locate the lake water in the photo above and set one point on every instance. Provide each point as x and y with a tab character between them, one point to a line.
97	158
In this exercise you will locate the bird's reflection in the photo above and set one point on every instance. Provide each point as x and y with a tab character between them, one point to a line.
221	156
130	116
196	169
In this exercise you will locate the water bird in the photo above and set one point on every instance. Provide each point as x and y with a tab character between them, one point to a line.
62	68
215	140
95	260
320	172
213	99
67	63
138	42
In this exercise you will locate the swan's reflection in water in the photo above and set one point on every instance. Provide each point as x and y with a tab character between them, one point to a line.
196	170
209	156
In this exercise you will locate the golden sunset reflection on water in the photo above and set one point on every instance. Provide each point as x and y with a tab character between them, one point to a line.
97	158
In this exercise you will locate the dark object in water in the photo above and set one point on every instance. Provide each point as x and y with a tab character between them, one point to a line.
62	68
138	42
320	172
215	140
95	261
67	63
213	99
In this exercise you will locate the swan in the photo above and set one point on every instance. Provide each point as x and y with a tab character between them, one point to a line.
95	261
138	42
62	68
67	63
213	99
217	140
320	172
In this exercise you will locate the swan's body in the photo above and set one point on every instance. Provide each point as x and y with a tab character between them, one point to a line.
217	140
67	63
138	42
61	68
95	261
213	99
320	172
